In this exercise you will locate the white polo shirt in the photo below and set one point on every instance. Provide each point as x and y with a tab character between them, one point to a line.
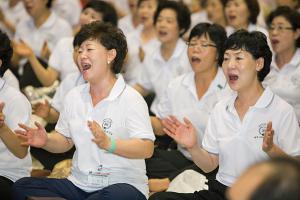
133	66
13	15
71	81
122	115
61	58
156	72
285	82
11	79
17	109
239	144
51	31
181	99
126	25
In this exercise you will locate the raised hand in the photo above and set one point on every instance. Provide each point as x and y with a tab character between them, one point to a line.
22	49
41	109
2	116
182	133
36	137
268	143
45	52
100	138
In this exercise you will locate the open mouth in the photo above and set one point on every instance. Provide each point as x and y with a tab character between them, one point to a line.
231	18
162	33
233	77
195	60
274	42
85	66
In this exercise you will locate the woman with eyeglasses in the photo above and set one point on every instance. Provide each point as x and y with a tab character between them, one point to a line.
251	125
284	77
191	95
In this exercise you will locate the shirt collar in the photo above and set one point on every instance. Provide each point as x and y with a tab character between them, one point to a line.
179	49
47	24
263	102
294	63
116	90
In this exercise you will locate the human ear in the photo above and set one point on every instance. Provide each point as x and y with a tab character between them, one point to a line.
259	64
111	55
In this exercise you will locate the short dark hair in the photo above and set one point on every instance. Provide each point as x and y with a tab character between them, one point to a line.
216	33
49	4
256	44
109	36
253	8
140	1
108	12
183	14
283	182
6	52
292	16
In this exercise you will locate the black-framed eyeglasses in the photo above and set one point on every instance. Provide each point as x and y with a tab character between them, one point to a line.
279	28
200	46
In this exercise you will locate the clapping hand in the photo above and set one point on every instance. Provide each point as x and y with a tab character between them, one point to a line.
182	133
268	143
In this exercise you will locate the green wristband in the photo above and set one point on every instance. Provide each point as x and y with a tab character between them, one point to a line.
113	146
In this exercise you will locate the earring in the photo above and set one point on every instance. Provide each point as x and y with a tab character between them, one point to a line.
108	62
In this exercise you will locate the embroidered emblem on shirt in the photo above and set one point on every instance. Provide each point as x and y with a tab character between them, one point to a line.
106	124
261	130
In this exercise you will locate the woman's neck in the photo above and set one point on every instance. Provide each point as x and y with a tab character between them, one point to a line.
284	57
101	89
204	79
242	26
147	34
42	18
167	49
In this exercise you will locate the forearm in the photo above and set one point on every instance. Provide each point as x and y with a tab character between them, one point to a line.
46	76
57	143
10	26
134	148
141	90
12	142
157	126
204	160
276	151
53	116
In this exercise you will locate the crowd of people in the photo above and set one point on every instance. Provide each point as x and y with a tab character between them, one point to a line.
146	90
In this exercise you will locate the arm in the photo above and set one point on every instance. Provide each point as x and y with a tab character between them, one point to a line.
9	25
38	137
45	76
157	126
133	148
185	135
141	90
45	111
11	141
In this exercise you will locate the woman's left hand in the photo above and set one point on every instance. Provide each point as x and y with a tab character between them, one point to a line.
268	143
101	139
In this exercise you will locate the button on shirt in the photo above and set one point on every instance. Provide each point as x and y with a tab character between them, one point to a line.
122	115
17	109
285	82
181	99
156	72
239	143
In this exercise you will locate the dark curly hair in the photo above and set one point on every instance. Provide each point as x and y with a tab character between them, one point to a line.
109	36
256	44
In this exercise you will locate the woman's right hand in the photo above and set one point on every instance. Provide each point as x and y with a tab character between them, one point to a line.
36	137
182	133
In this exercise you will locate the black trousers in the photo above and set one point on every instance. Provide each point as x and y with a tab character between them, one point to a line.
5	188
170	163
216	192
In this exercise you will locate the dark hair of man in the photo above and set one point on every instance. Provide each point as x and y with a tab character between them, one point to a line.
292	16
283	182
6	52
183	14
216	33
254	43
253	8
107	35
108	12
